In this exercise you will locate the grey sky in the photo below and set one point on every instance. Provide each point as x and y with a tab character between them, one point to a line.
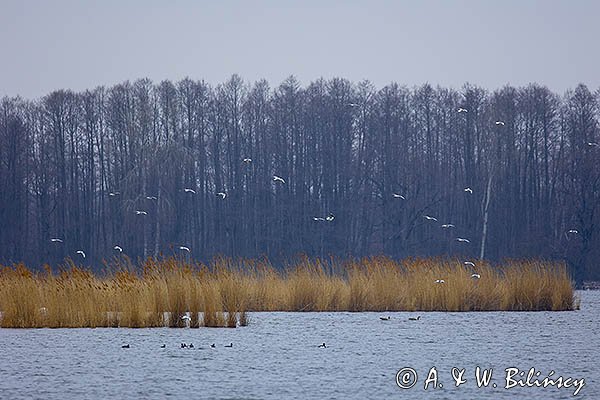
47	45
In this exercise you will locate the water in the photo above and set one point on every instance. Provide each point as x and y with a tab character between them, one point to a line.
277	357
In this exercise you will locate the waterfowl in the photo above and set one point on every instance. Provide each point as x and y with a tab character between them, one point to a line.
125	346
414	319
191	346
384	318
183	345
322	345
163	346
212	345
229	345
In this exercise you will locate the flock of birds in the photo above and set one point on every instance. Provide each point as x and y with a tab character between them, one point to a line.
329	218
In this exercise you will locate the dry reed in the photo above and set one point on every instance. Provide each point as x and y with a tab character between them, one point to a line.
220	294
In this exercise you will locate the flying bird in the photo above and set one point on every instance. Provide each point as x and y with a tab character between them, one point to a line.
429	218
446	226
318	219
461	110
222	195
398	196
353	104
118	248
330	217
151	197
81	252
440	281
278	179
574	231
469	190
186	318
184	248
463	240
500	123
247	160
475	276
56	240
113	194
591	144
140	212
472	264
189	190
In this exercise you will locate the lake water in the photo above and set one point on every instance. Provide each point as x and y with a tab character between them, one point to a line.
277	357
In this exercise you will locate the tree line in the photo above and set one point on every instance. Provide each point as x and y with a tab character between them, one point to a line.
157	169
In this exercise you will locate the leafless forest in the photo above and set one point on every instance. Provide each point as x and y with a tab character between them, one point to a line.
333	168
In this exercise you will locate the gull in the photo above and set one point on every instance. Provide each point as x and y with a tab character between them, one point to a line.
445	226
56	240
469	190
151	197
591	144
472	264
278	179
118	248
385	318
113	194
184	248
461	110
353	104
475	276
247	160
398	196
318	219
80	252
440	281
429	218
463	240
222	194
140	212
574	231
330	217
500	123
186	318
188	190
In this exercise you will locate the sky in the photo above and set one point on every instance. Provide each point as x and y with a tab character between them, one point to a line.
78	45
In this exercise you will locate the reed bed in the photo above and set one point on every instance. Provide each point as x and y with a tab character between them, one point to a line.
221	293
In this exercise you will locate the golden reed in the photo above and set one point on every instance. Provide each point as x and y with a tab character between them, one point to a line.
221	293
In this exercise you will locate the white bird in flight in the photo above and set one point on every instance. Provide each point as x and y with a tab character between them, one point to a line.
186	318
461	110
429	218
469	190
591	144
247	160
278	179
184	248
318	219
81	253
500	123
446	226
151	197
222	195
575	231
189	190
472	264
475	276
140	212
330	217
353	104
118	248
113	194
56	240
440	281
463	240
398	196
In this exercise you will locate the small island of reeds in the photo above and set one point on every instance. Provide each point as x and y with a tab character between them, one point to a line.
176	293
